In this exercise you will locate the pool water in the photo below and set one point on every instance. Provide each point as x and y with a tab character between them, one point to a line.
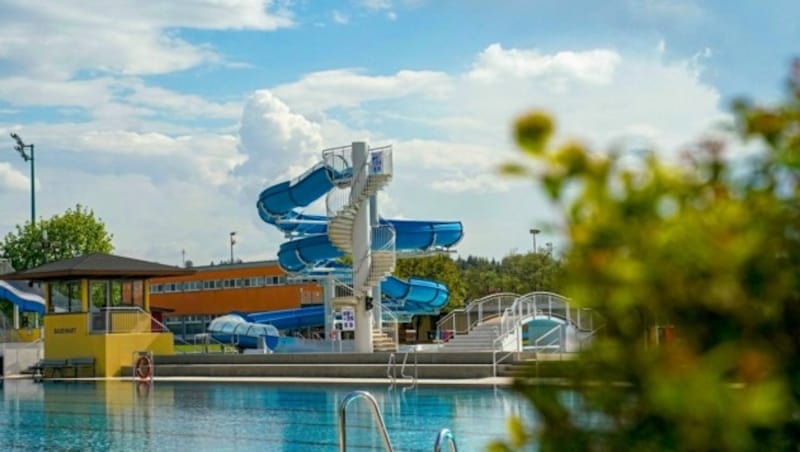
200	416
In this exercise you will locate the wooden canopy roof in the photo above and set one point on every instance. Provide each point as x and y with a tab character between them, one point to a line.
97	265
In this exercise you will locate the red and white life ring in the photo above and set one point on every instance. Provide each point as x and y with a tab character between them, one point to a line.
144	368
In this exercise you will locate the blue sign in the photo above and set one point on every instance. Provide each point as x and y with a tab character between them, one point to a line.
348	319
377	163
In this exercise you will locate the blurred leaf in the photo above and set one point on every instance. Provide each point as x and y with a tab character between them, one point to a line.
533	132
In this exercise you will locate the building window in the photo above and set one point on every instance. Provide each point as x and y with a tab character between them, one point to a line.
110	293
65	296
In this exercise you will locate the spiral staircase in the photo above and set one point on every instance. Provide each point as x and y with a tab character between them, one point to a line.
342	207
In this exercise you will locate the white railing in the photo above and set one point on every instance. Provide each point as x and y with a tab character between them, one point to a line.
462	321
123	320
357	191
338	161
388	317
383	238
342	290
554	337
337	200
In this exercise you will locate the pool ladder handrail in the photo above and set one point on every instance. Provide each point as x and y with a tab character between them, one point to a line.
376	415
392	365
445	435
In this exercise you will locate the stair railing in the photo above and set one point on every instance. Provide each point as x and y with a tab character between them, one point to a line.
337	200
341	290
552	341
462	321
338	162
376	415
357	193
392	320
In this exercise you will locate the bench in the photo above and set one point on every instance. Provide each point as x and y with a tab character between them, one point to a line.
83	362
56	366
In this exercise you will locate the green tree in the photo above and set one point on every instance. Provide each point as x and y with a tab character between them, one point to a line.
519	273
711	246
523	273
73	233
439	268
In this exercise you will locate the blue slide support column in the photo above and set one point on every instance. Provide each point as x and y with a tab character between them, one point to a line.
362	256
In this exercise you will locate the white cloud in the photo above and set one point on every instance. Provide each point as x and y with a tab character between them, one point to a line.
11	179
593	66
275	139
349	87
131	37
340	17
377	4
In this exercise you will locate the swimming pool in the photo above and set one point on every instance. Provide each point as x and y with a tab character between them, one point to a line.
194	416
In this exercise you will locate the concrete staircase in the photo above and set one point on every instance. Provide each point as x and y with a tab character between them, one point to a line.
383	263
431	365
382	342
481	338
340	227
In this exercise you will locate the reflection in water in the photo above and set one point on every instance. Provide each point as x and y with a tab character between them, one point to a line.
238	416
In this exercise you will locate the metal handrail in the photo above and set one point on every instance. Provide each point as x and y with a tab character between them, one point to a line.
415	377
390	374
376	415
140	325
336	201
555	329
445	435
386	312
355	194
208	339
588	337
475	309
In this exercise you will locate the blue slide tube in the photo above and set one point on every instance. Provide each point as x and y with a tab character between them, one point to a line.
20	294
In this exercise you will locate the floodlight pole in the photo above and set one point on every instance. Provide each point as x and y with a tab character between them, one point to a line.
533	232
21	147
233	242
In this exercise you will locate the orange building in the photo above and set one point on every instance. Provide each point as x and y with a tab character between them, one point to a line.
190	302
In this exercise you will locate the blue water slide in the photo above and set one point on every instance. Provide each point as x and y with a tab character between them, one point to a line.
312	248
20	294
236	329
290	319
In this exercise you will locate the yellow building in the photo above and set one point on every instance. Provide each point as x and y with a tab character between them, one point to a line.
98	307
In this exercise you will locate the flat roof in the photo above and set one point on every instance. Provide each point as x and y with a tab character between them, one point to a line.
228	266
98	265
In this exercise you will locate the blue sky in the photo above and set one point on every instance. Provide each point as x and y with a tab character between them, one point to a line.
168	118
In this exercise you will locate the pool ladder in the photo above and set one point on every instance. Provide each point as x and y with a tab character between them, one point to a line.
391	372
445	436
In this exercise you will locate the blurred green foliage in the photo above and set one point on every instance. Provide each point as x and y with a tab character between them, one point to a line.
709	244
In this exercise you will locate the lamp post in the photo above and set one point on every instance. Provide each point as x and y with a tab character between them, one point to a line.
21	147
233	242
533	232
